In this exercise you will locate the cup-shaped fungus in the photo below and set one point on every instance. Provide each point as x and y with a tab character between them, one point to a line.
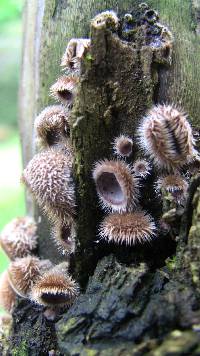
48	176
64	236
18	237
174	184
22	272
122	146
166	136
75	50
127	228
117	188
141	168
55	288
7	295
52	125
64	89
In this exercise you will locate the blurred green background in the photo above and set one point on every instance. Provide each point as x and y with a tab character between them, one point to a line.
11	191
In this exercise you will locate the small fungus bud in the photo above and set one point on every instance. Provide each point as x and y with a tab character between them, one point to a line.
64	89
166	136
117	188
48	176
141	168
7	295
106	19
55	288
123	146
52	125
174	184
75	50
18	237
22	272
127	228
64	236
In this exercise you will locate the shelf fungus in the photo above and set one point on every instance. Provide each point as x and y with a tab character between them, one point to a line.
76	49
48	176
7	295
166	135
19	237
174	184
52	126
55	288
141	168
64	89
117	188
122	146
64	236
127	228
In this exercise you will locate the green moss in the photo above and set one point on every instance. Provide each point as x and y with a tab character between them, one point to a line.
71	324
171	263
22	350
177	343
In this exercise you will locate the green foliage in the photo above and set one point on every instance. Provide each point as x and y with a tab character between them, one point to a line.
11	192
10	10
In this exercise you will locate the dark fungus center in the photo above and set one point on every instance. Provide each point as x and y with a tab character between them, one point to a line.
65	95
110	188
57	298
126	148
65	232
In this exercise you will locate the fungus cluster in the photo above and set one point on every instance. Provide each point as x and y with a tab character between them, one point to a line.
48	176
166	139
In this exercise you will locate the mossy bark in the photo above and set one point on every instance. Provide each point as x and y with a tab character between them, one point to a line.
134	302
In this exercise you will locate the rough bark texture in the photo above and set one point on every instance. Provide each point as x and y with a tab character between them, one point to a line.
136	302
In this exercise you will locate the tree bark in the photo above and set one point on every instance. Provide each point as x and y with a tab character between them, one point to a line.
134	301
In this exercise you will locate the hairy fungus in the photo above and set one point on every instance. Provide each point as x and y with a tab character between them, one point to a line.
48	176
18	237
52	125
64	89
166	136
141	168
55	288
64	236
174	184
7	295
22	272
123	146
127	228
75	50
117	188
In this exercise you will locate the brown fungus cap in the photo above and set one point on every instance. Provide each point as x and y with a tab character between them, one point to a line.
48	176
117	188
7	294
22	272
127	228
64	89
166	136
18	237
75	50
55	288
52	126
123	146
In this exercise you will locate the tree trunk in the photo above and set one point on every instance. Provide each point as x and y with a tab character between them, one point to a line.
134	301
